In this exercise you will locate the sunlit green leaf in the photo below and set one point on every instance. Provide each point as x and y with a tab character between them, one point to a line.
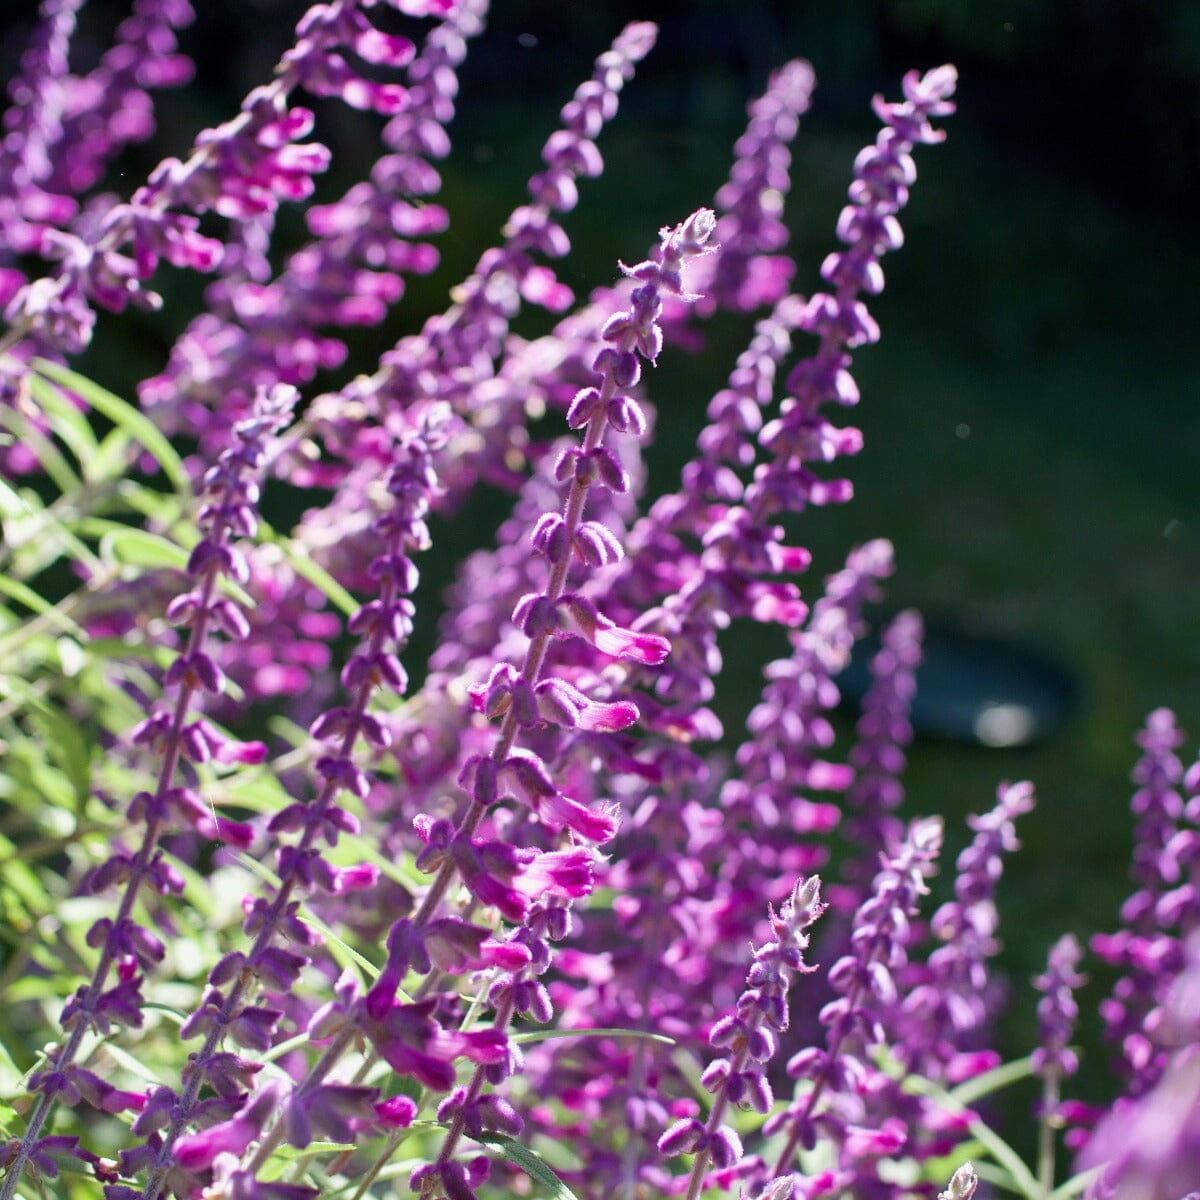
122	414
529	1162
66	422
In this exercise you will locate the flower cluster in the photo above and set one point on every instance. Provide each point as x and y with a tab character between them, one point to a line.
300	907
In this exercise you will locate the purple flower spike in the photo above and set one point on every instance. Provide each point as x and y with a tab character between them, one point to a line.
1147	949
1150	1147
351	274
230	492
749	1032
869	229
749	273
878	758
948	1000
867	1003
1057	1009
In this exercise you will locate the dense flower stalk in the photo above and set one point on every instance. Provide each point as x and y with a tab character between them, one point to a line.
869	228
866	980
455	355
350	274
544	834
523	700
241	170
948	1001
749	273
749	1034
126	947
884	730
1144	948
1150	1147
1054	1060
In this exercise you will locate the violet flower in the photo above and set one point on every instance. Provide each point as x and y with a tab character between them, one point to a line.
947	1005
242	169
33	126
454	356
783	759
1053	1059
1058	1010
556	612
869	228
1149	1146
748	273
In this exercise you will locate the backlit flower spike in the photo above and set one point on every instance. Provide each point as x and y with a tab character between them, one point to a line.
514	771
244	168
883	732
869	228
740	536
30	206
59	132
230	493
782	761
350	274
749	272
831	1104
112	105
1053	1059
950	997
1146	949
749	1034
455	355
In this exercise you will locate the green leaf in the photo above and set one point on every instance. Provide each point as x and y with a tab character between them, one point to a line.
122	414
545	1035
67	423
1075	1185
1021	1179
38	604
49	456
67	740
304	566
991	1081
139	548
529	1162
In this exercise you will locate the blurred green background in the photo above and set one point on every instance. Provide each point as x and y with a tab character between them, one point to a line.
1030	415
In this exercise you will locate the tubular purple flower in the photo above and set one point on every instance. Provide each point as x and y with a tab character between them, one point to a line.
869	229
